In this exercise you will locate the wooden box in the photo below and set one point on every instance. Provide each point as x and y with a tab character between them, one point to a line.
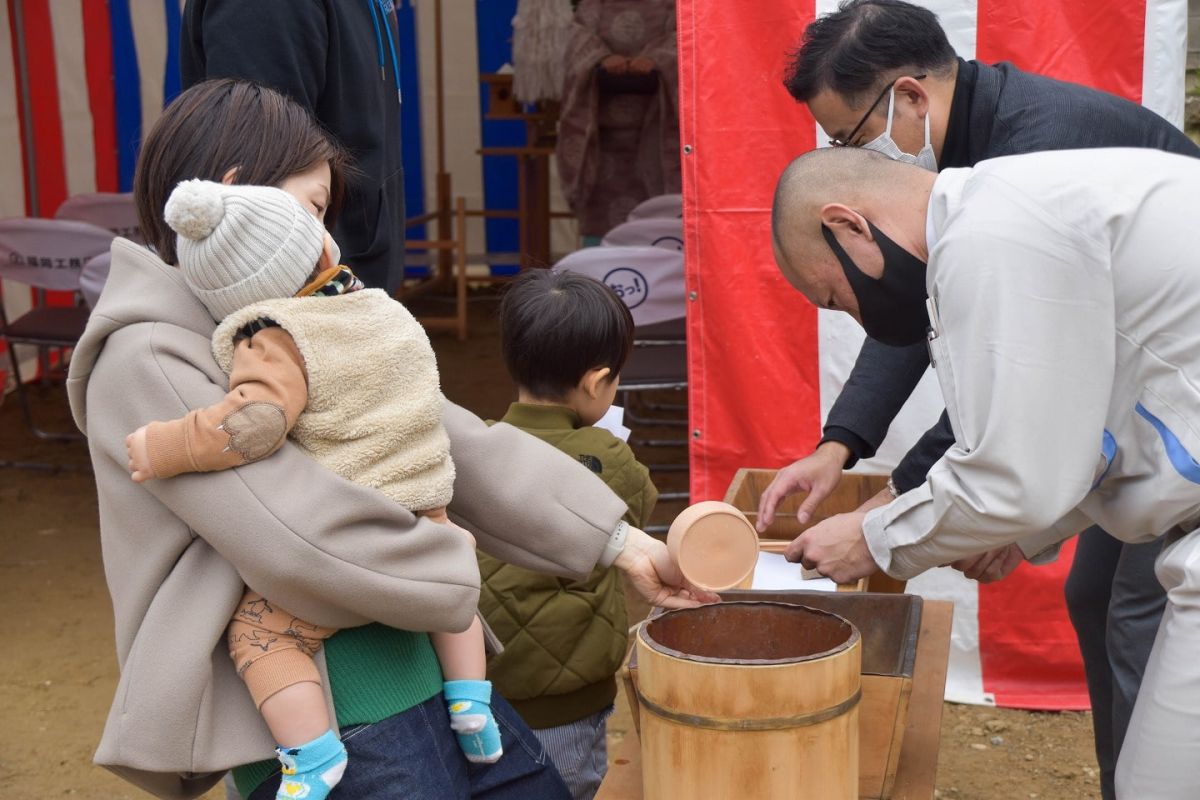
889	625
501	102
745	493
746	488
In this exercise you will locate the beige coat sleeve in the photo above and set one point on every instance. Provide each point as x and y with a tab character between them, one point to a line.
339	554
331	551
528	503
267	392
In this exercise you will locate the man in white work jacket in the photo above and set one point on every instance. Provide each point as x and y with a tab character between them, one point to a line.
1060	296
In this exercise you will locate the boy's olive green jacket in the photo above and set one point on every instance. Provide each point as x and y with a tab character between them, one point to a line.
564	640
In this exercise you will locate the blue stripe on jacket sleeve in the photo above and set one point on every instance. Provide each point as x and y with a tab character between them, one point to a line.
1108	447
1177	454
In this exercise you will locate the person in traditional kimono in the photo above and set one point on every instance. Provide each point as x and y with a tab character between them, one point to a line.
618	138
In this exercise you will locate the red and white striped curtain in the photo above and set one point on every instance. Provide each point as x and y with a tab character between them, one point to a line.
82	80
765	367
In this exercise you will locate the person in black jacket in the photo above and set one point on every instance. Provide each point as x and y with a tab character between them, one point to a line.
339	59
881	74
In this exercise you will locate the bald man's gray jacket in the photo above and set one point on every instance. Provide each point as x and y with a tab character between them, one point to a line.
1065	293
996	111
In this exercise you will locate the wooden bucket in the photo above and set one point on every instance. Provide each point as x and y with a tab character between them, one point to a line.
749	699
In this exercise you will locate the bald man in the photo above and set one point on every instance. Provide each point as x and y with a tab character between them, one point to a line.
881	74
1059	294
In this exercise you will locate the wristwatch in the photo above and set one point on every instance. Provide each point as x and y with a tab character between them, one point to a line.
891	487
616	543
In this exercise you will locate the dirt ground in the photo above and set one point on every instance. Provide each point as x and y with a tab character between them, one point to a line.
58	670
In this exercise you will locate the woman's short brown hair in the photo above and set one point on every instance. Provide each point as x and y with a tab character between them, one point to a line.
221	124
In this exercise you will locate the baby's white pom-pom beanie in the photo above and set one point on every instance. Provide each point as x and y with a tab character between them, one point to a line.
239	245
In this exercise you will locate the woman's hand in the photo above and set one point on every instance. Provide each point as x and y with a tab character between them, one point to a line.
440	516
649	567
139	456
615	65
641	65
991	566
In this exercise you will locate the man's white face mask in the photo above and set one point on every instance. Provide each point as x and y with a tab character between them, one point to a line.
883	142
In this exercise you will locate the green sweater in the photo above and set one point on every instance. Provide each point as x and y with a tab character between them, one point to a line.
375	672
563	640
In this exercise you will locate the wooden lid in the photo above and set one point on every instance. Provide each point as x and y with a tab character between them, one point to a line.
714	545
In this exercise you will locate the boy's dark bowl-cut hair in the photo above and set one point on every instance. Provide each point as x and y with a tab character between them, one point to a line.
555	326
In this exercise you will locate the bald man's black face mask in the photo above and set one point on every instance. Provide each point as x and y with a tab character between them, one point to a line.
892	307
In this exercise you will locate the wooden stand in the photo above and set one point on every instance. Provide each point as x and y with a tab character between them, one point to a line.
533	201
446	246
448	270
916	771
533	166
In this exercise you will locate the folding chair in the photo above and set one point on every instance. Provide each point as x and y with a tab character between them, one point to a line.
664	232
93	277
110	210
48	255
650	281
664	205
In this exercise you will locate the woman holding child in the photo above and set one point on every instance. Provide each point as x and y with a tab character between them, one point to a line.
179	553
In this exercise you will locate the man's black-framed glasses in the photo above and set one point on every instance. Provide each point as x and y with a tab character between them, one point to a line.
836	142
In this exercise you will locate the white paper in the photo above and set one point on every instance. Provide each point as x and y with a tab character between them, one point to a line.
776	573
614	423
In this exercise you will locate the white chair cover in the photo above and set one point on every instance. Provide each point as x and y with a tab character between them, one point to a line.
648	279
93	276
110	210
664	205
45	254
664	232
49	253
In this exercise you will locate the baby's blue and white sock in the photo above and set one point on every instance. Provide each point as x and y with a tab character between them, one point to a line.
469	703
311	770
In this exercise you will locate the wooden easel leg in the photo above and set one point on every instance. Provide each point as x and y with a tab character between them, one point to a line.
445	233
460	213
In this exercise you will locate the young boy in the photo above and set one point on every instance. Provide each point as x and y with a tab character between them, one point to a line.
565	339
349	374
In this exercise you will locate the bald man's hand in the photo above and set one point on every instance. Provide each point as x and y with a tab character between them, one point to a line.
818	474
994	565
836	548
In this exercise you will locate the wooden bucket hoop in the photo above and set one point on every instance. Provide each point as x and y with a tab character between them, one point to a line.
769	724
